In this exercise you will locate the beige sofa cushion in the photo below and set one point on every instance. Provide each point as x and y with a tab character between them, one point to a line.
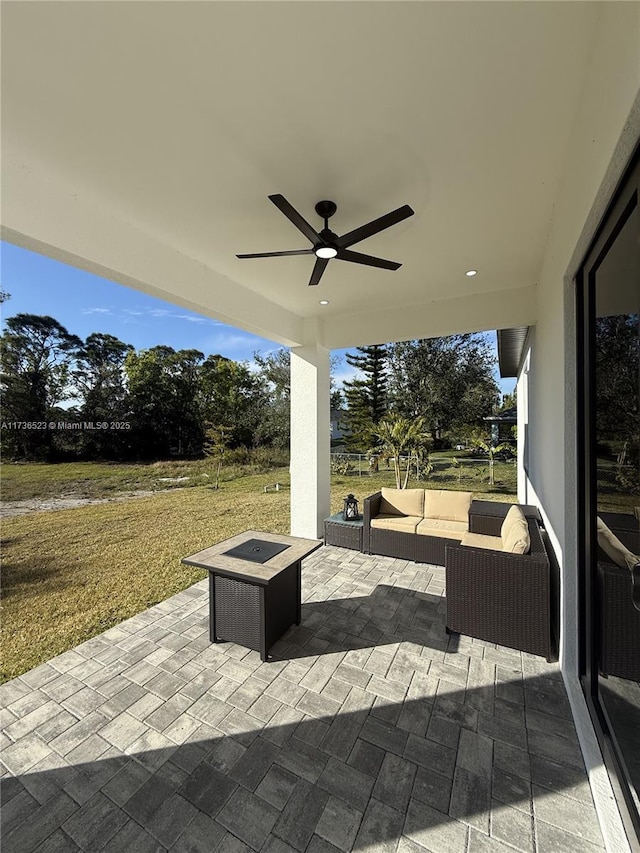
514	514
401	523
447	529
402	502
613	547
442	504
514	532
479	540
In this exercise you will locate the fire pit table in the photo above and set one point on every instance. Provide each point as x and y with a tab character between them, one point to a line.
255	587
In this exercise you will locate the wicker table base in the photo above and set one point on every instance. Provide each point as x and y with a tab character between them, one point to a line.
251	603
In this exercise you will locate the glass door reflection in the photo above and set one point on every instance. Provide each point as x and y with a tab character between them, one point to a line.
615	340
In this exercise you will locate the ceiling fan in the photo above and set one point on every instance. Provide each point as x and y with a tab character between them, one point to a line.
327	245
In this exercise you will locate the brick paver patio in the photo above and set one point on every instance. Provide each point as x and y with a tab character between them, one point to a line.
373	731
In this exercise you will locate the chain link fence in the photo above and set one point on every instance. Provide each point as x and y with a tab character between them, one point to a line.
618	486
444	471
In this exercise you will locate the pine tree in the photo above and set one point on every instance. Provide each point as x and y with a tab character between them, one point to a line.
366	398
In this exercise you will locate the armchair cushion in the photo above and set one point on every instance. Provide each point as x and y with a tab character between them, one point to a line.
402	502
445	505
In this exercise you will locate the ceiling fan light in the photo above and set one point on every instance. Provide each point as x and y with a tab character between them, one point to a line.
326	252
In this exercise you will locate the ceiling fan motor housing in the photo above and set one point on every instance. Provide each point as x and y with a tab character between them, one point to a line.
326	209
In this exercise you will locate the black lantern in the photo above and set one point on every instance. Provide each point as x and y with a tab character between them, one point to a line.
350	511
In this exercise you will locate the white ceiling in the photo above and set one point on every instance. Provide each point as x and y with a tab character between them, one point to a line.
179	119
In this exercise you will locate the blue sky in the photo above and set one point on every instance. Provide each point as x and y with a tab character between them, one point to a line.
85	303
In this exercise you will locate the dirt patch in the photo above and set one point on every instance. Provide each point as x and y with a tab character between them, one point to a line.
10	509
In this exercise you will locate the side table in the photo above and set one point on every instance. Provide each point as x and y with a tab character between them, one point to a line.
486	517
343	533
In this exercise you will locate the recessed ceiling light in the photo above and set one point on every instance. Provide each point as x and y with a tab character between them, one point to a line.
324	302
471	272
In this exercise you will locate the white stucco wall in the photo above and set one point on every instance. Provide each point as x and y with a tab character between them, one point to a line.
310	439
605	131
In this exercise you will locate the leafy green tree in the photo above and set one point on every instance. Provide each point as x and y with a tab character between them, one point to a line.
509	401
366	396
401	437
36	356
99	379
449	381
617	352
233	397
274	372
163	401
216	448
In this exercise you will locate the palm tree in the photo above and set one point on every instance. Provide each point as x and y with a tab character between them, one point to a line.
492	451
400	436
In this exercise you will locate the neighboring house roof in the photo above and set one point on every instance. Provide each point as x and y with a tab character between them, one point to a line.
509	416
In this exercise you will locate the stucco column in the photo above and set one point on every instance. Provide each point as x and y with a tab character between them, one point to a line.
310	440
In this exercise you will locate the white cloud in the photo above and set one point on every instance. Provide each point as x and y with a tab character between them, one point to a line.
167	314
344	373
192	318
97	311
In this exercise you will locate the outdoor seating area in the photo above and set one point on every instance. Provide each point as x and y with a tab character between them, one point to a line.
371	728
497	566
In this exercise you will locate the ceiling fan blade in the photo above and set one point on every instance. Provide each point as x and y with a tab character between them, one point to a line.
374	227
318	269
367	260
277	254
292	214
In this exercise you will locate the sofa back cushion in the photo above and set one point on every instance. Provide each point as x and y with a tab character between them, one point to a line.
515	532
449	506
614	548
402	501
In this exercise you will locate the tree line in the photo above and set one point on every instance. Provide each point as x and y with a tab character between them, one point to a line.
157	403
162	403
445	383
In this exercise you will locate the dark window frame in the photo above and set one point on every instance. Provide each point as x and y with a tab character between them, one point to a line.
625	200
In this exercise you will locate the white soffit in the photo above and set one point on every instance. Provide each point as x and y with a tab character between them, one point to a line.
177	120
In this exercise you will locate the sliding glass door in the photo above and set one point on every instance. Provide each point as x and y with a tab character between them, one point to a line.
608	289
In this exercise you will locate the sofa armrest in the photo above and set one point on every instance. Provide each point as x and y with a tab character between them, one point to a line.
371	509
486	524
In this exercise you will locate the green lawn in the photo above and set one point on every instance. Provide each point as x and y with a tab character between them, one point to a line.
106	479
71	574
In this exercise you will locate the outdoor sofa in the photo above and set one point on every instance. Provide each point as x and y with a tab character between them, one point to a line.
414	524
498	584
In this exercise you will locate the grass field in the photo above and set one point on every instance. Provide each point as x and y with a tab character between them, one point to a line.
105	479
71	574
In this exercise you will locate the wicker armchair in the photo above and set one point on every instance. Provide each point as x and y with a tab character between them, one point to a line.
500	597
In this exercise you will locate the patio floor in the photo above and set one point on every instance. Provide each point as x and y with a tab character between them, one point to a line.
373	731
